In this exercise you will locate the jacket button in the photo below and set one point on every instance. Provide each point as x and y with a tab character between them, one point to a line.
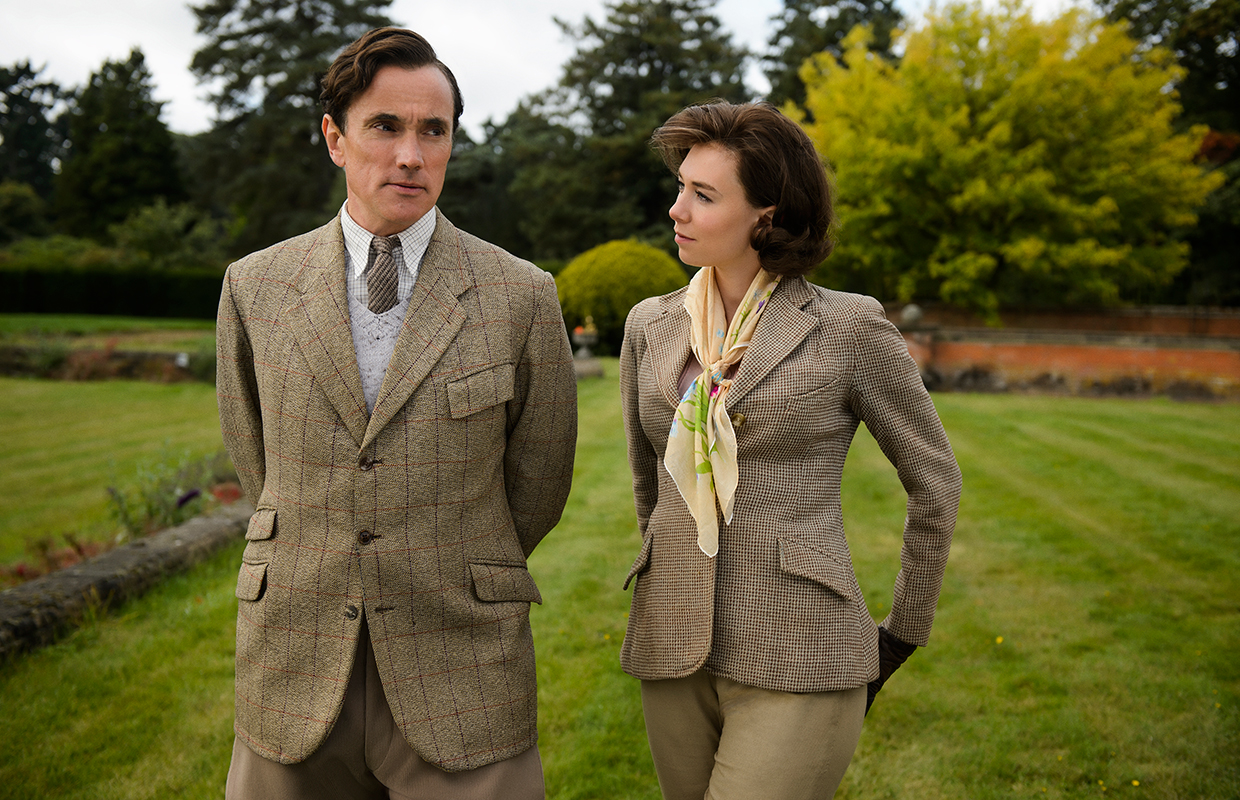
350	612
364	463
738	419
365	537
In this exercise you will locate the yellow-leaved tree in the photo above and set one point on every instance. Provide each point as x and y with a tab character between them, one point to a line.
1005	162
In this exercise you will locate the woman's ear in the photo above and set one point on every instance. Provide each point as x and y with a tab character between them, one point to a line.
762	228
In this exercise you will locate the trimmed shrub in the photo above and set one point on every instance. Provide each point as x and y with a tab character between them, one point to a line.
605	283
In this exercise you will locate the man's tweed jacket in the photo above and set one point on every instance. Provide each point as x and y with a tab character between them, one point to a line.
417	518
779	606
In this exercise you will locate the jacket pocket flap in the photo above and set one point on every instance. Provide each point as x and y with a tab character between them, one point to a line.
504	583
798	558
483	389
262	525
251	581
639	564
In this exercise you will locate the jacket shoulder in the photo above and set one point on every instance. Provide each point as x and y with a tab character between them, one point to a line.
482	256
653	307
831	300
291	252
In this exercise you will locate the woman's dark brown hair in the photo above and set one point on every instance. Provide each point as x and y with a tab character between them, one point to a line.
351	73
777	165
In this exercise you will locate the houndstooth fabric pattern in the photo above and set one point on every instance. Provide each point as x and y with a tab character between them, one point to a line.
779	607
417	517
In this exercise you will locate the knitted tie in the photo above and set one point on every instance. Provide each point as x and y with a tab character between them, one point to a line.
381	274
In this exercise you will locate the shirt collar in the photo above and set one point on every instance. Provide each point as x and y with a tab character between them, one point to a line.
413	242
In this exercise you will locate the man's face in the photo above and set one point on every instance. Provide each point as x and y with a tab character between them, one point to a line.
396	147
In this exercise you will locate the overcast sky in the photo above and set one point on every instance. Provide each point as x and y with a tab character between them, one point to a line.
500	50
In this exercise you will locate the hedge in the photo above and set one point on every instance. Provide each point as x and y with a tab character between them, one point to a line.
604	283
192	294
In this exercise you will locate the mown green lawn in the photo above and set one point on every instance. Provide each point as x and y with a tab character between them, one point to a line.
1085	646
62	444
14	325
59	333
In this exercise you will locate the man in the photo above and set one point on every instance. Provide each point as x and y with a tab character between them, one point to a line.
398	398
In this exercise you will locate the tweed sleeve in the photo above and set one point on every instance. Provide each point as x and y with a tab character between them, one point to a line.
538	461
236	391
889	396
643	461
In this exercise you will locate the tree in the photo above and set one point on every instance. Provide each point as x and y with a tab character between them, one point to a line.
22	212
646	61
1206	46
31	141
121	156
1202	35
475	195
1006	162
586	174
806	27
265	157
165	237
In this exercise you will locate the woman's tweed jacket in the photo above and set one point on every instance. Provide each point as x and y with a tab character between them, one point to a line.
779	606
417	518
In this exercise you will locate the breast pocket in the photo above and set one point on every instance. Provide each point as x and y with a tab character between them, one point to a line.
481	390
812	402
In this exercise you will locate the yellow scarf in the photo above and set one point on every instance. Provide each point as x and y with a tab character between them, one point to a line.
701	446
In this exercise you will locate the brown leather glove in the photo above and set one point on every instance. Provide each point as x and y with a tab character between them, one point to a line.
891	654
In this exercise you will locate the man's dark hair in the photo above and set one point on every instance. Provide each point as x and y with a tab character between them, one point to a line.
777	165
351	73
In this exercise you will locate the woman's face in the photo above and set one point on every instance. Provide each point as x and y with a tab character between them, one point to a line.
714	220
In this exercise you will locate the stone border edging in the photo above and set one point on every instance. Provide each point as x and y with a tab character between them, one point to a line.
34	613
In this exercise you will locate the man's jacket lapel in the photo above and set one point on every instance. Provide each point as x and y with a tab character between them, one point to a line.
320	321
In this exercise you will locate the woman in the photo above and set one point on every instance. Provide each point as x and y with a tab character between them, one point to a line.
741	396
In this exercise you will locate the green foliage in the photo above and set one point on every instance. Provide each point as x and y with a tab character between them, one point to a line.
164	237
569	200
1006	162
606	281
32	140
1202	34
1206	46
62	253
167	491
806	27
265	162
475	195
121	156
1212	277
22	212
65	274
134	292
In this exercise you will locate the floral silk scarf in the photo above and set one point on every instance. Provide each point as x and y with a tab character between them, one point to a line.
701	446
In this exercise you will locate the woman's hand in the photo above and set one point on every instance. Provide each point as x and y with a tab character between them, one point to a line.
891	654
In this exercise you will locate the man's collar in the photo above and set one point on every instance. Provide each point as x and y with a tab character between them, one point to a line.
413	241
